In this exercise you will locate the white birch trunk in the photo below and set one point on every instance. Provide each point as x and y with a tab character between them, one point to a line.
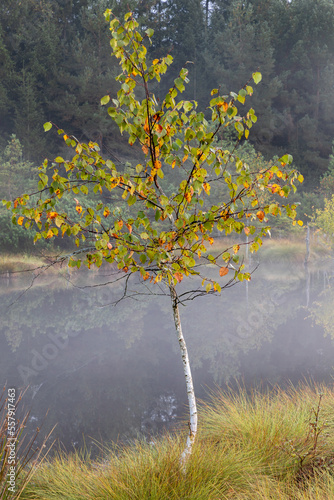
189	381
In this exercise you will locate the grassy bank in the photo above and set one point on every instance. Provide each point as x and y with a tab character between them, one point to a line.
11	263
278	250
274	446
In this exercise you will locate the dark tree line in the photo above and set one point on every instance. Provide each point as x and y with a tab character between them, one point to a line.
55	65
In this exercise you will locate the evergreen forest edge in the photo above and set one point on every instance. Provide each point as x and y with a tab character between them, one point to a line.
56	65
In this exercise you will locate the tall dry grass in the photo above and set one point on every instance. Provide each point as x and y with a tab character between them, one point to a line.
258	446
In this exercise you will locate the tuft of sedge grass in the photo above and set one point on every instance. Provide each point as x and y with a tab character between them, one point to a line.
265	488
273	428
26	456
243	451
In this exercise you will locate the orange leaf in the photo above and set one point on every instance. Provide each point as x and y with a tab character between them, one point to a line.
260	215
210	240
78	209
223	271
188	196
206	187
247	231
225	106
129	227
20	221
146	126
106	212
109	245
179	277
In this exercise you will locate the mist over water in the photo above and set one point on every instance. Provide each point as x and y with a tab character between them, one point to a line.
110	373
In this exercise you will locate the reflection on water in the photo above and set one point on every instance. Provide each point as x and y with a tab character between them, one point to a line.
109	373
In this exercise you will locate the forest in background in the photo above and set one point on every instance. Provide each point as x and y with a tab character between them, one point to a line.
55	65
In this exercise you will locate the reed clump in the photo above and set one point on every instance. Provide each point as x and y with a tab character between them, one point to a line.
277	445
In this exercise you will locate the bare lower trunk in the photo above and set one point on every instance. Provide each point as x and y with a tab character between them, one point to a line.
188	377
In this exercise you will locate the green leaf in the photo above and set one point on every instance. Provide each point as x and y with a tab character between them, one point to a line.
149	32
105	100
257	77
47	126
179	84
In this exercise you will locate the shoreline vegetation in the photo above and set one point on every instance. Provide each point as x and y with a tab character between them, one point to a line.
276	445
291	249
273	445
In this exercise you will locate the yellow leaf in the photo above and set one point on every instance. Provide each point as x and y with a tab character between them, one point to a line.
20	221
300	222
223	271
106	212
155	61
210	240
78	209
236	248
275	188
52	215
49	234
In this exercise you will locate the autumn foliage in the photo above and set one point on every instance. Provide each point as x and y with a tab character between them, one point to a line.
161	236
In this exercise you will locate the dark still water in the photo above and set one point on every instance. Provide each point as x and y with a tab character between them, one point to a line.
110	373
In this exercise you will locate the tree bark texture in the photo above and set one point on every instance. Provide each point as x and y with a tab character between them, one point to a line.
188	377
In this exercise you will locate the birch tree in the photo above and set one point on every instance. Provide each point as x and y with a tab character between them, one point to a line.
163	235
